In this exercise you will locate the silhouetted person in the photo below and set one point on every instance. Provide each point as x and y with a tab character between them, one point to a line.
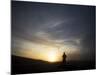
64	58
63	64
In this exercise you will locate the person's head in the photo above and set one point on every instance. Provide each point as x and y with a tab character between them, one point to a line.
64	53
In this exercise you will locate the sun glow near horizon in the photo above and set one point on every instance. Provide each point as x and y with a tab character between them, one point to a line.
46	52
52	56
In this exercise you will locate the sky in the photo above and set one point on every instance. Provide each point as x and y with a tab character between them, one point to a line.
44	31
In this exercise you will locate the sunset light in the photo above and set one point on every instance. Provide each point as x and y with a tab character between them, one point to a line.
52	56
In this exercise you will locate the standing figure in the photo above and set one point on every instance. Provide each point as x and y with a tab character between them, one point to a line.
64	58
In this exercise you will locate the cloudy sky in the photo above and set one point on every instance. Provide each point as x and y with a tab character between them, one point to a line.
39	29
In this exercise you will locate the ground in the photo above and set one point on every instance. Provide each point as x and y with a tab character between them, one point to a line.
21	65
